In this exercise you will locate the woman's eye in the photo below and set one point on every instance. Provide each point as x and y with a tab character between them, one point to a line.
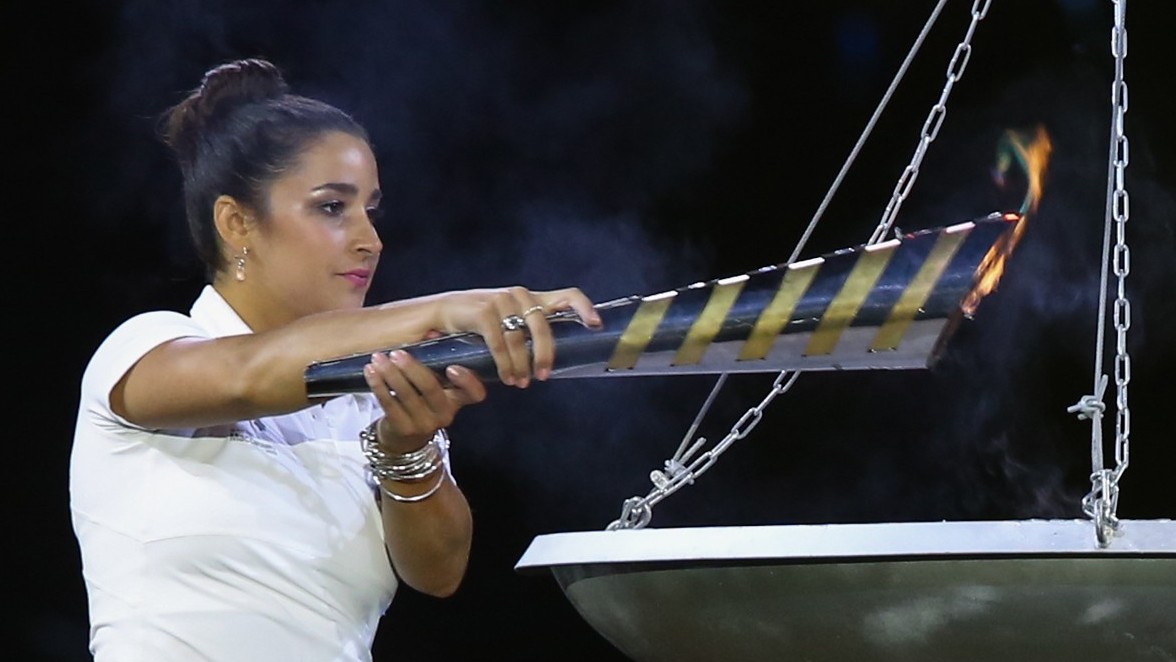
332	208
374	214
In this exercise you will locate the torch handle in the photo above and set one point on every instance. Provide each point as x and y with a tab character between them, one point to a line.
576	343
890	305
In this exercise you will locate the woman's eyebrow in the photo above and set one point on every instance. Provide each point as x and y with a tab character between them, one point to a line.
338	187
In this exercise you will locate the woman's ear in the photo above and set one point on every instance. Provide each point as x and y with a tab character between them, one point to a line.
234	221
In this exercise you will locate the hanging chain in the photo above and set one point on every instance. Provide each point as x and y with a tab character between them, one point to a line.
637	512
1101	503
955	71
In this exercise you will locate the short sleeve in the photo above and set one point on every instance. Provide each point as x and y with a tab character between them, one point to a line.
128	343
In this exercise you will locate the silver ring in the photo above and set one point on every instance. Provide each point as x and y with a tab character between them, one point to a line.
533	309
513	323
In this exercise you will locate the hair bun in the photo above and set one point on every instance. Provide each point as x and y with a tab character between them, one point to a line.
239	82
224	88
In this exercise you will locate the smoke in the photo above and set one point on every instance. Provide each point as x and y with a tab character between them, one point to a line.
478	112
517	144
607	145
998	427
630	147
1035	344
568	126
985	434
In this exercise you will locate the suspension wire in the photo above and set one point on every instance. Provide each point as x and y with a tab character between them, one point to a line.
1101	503
710	399
861	141
680	470
845	167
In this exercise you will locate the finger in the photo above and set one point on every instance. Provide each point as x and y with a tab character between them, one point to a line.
489	326
518	353
431	406
574	299
542	342
393	410
540	346
467	387
413	413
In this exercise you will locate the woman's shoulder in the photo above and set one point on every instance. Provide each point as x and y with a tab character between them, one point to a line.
151	318
148	324
134	337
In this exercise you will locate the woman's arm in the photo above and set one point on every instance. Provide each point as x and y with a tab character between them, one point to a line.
199	382
428	540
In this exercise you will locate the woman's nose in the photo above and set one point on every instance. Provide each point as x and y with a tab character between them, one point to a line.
368	238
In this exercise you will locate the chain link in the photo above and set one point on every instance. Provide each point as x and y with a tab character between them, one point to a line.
1101	503
637	511
930	130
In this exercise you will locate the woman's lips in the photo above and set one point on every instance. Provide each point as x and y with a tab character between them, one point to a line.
358	277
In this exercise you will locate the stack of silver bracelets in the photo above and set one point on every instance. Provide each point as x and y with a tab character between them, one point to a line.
406	467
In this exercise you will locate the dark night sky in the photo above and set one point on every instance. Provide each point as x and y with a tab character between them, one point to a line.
627	148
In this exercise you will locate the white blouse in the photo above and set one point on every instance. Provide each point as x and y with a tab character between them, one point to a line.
256	541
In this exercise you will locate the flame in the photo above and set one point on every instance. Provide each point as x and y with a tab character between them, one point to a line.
1032	155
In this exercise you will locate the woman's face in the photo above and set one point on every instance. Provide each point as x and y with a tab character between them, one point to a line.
317	249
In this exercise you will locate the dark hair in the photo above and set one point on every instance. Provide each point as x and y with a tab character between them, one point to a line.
234	135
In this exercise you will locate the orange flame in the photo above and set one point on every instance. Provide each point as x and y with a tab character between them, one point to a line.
1032	154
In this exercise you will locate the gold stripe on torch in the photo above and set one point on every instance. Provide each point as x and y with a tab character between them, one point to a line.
845	305
916	293
709	321
640	330
778	313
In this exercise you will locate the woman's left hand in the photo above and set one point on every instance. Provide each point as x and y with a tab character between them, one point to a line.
513	323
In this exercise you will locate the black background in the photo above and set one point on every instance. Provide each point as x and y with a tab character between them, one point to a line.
626	148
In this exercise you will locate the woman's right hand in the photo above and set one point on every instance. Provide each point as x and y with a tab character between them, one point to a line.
414	401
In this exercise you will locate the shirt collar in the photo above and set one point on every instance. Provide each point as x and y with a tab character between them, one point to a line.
215	315
212	312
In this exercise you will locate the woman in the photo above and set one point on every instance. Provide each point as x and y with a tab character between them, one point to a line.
221	515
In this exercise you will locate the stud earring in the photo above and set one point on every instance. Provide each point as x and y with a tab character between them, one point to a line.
241	264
